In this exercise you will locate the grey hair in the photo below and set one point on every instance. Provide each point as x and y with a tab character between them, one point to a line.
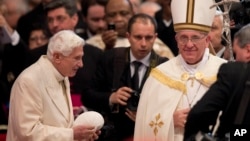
219	14
64	42
69	5
243	36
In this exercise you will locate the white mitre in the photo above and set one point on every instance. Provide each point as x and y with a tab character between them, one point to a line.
90	118
192	14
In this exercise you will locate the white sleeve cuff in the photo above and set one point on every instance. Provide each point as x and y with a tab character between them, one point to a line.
15	38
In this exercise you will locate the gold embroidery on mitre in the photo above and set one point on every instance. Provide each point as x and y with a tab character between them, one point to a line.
199	27
157	74
190	11
158	123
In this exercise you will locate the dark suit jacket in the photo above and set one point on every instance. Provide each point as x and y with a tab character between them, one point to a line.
110	77
229	86
13	58
166	34
13	63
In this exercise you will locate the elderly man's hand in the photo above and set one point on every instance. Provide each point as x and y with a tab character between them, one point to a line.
180	117
83	132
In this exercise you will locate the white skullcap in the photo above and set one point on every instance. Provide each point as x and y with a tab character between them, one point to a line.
192	14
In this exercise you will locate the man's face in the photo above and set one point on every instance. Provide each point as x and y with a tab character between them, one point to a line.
192	45
59	20
68	65
95	19
242	54
141	38
216	33
119	12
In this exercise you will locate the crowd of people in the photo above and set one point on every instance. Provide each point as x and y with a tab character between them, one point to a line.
152	68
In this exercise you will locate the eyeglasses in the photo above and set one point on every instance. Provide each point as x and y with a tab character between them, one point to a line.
183	40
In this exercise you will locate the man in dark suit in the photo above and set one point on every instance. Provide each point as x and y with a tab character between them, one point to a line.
93	14
230	85
165	28
112	87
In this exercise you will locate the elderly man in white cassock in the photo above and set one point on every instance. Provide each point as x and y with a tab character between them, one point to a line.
175	86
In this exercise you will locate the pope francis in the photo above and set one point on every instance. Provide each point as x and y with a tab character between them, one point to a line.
176	85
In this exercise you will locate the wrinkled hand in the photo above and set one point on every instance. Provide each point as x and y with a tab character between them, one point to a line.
131	114
121	96
109	38
82	132
95	136
180	117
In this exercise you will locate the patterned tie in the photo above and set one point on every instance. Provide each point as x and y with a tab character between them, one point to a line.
135	78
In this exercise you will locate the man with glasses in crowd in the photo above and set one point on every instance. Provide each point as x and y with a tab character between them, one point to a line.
175	86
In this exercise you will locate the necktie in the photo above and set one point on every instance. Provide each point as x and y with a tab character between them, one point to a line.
135	78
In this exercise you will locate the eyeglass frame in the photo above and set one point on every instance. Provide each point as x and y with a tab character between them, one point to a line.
193	39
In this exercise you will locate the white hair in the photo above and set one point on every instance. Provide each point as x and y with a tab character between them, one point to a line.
64	42
220	14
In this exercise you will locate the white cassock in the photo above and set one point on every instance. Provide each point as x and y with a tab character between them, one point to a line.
40	110
172	86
